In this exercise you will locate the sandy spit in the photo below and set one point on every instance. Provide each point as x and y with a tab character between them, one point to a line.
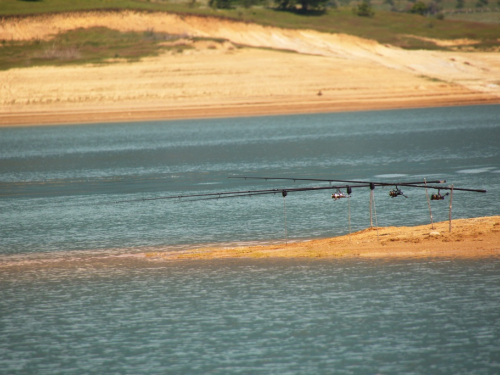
469	238
257	70
476	238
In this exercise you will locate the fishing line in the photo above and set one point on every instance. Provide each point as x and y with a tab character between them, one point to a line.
451	199
371	204
284	193
375	212
349	215
429	203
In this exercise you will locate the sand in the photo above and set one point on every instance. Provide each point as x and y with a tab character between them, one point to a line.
469	238
257	70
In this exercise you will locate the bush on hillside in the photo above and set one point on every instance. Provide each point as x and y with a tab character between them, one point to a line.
419	8
365	9
303	6
220	4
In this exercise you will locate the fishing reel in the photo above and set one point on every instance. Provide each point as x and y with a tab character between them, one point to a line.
438	196
396	192
338	195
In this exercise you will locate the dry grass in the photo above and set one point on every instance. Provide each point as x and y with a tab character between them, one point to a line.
54	52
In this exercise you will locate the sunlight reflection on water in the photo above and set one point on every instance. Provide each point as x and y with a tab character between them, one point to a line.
282	316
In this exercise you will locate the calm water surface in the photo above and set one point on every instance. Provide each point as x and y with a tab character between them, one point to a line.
74	300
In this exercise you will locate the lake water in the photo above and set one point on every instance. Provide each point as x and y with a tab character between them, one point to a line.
73	299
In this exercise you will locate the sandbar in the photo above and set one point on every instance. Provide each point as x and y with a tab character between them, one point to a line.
468	238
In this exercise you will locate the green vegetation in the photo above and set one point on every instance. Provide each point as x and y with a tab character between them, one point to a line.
491	17
98	45
419	8
365	9
484	8
301	6
432	79
23	7
220	4
398	27
385	26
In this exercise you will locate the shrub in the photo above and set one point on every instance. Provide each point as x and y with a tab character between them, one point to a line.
419	8
365	9
220	4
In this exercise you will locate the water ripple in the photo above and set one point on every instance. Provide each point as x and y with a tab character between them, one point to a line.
350	317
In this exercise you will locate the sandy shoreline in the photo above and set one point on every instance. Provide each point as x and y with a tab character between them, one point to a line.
475	238
469	238
249	70
188	112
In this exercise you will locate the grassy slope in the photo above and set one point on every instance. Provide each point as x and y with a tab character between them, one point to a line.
94	46
23	7
385	27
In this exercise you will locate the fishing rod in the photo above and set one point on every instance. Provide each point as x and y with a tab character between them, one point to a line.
447	188
335	196
241	193
345	181
220	194
232	196
393	193
285	191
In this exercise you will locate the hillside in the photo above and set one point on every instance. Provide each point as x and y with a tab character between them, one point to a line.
220	67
